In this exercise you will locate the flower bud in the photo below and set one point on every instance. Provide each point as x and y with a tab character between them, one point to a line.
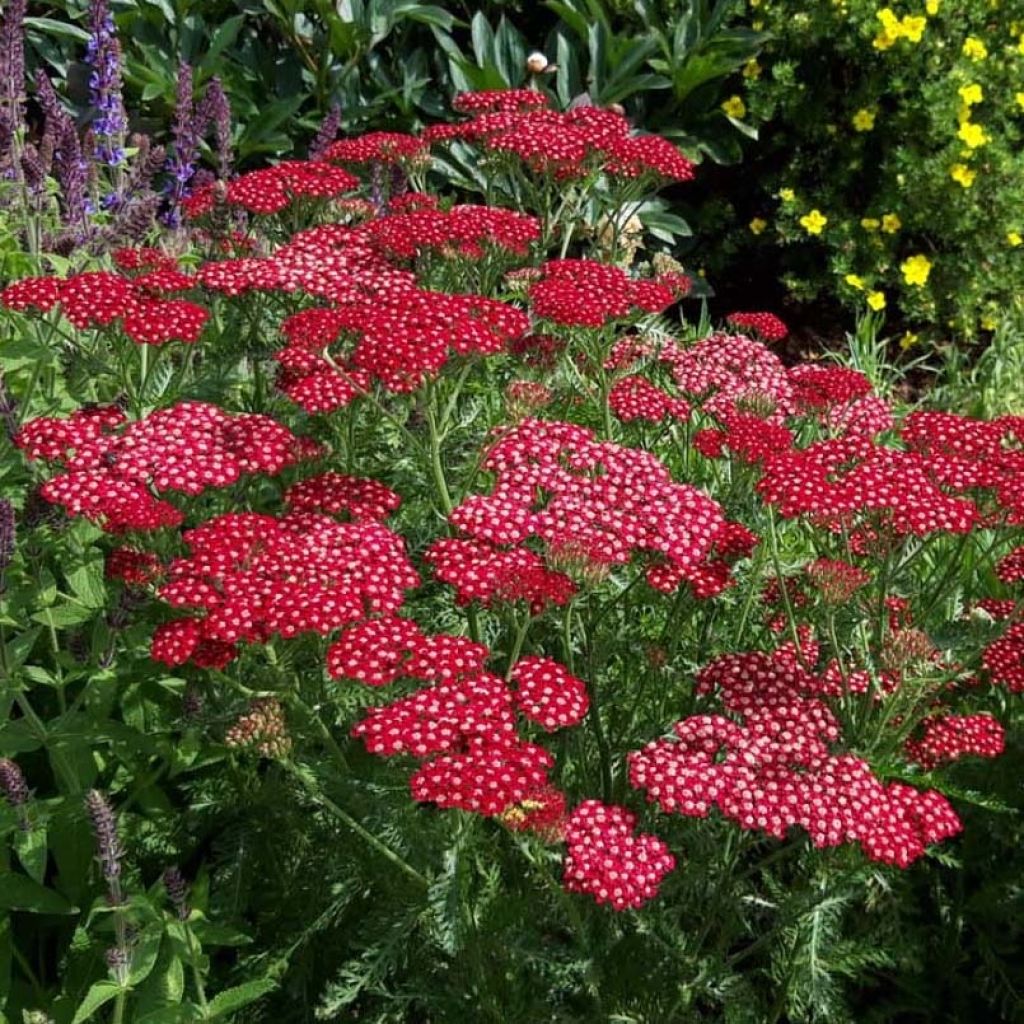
536	63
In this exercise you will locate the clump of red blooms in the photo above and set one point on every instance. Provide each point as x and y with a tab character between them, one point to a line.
609	860
249	576
99	298
766	325
558	487
564	511
770	766
585	293
274	189
113	466
946	738
463	726
351	497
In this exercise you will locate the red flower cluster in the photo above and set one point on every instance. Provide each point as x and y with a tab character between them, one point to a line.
99	298
376	147
751	438
608	860
557	484
250	576
488	100
1010	568
846	478
402	337
774	771
113	466
585	293
731	373
481	572
136	568
565	145
950	737
548	694
767	325
463	725
1003	659
273	189
636	398
839	400
352	497
964	454
463	230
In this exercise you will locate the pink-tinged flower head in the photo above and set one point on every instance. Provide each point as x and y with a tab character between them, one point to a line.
766	325
611	862
548	694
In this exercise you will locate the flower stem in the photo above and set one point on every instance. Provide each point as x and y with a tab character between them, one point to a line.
343	816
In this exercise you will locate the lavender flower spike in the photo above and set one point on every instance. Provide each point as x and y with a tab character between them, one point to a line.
12	783
12	79
6	538
177	892
187	132
108	847
327	134
216	110
103	54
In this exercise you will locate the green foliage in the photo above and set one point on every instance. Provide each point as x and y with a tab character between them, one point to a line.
907	140
396	64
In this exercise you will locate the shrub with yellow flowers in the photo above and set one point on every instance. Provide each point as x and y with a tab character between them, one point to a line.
891	156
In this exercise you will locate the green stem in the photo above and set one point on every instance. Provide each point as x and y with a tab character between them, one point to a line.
784	590
594	714
517	646
343	816
197	976
437	466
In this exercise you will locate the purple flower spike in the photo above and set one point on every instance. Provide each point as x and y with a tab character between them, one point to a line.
103	54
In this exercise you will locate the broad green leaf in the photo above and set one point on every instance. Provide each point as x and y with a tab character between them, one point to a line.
87	584
233	999
53	27
18	892
145	952
30	847
100	994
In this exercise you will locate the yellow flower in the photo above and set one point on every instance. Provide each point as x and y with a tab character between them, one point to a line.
989	323
1019	97
912	28
864	120
876	300
972	135
854	281
932	7
870	223
1020	43
962	174
1014	238
916	270
814	222
971	94
891	223
735	107
974	48
909	340
787	195
757	225
890	23
752	69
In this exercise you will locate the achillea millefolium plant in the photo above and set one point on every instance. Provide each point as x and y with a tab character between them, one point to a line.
408	614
